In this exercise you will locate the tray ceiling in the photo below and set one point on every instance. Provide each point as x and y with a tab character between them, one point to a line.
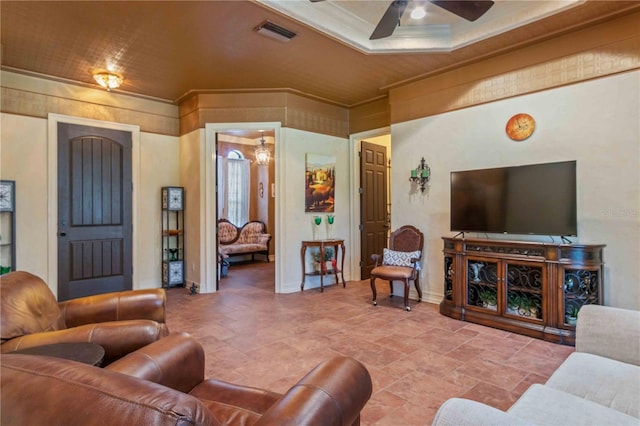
167	49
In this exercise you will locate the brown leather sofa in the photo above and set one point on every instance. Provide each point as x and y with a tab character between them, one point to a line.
163	384
119	322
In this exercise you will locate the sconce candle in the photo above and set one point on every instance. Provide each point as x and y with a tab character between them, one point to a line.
420	176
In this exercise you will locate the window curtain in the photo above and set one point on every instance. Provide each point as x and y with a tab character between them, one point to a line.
221	188
237	198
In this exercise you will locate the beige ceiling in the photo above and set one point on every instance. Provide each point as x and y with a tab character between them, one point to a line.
166	49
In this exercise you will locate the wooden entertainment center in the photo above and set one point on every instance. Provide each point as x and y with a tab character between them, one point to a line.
530	288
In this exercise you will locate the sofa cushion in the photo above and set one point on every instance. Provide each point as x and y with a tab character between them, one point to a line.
459	411
392	272
543	405
243	248
605	381
227	232
251	232
610	332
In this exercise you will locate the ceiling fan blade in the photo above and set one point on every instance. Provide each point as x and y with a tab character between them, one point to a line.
467	9
390	20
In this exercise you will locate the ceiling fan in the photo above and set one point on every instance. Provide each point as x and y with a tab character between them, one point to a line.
467	9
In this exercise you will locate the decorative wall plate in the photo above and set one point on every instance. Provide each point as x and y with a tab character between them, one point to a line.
7	195
520	127
172	198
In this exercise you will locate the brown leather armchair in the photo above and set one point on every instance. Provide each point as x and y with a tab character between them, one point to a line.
119	322
163	384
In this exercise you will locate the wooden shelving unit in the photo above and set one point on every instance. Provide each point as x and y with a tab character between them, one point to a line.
173	248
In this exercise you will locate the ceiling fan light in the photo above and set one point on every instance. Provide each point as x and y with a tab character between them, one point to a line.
418	13
108	80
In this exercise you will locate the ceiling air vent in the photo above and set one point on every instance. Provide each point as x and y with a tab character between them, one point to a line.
269	29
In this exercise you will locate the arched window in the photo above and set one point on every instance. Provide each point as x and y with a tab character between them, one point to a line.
235	154
233	188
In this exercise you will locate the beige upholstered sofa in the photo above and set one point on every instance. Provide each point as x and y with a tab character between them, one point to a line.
251	238
599	384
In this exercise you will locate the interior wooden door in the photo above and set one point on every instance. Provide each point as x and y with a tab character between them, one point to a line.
94	211
374	216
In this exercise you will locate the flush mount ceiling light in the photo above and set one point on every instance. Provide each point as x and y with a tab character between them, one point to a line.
108	80
262	153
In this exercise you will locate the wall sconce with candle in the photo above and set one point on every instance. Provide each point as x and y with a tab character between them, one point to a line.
421	175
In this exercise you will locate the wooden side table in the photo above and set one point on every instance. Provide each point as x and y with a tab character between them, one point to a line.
84	352
322	244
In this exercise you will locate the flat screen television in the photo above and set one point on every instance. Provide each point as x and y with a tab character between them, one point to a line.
535	199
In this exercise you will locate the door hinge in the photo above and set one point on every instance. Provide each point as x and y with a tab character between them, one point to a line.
361	227
361	264
360	191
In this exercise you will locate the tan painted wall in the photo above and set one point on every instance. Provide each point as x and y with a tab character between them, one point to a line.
23	158
595	123
24	145
191	159
159	166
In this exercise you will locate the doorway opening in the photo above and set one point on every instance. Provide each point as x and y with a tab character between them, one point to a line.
243	191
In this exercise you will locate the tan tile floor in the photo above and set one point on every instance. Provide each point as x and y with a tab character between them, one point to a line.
417	359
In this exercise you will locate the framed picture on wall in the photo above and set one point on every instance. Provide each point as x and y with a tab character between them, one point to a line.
320	183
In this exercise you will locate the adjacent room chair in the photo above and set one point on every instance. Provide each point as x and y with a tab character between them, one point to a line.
399	262
120	322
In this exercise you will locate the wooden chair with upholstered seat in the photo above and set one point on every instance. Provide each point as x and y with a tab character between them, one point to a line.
400	262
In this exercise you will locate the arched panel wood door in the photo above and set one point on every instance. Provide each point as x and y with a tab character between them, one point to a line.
94	211
374	217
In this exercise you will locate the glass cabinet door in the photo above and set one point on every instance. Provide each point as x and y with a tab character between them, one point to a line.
482	284
524	290
448	277
581	287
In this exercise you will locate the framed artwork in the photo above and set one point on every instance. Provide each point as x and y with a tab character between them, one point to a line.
320	183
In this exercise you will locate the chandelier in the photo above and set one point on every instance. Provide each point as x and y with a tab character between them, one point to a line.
262	152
